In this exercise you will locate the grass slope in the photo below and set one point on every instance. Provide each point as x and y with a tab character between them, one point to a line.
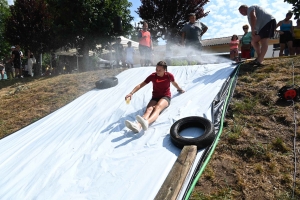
254	158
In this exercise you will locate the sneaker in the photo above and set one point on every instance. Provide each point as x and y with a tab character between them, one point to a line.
143	122
132	126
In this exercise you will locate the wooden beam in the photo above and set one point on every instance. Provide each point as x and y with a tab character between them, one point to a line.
174	181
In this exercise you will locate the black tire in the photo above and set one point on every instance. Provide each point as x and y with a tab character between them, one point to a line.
107	83
206	139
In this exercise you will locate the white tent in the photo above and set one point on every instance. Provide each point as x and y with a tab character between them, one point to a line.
72	52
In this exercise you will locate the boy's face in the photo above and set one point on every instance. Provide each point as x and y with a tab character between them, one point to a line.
192	18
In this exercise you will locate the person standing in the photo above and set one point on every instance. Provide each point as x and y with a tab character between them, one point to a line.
234	47
21	64
246	43
2	70
145	45
11	61
31	61
286	34
191	36
296	41
16	59
8	67
119	51
191	33
161	97
129	55
262	28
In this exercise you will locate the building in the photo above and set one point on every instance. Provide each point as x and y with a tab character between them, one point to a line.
216	46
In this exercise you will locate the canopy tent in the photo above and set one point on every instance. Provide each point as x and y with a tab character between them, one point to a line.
73	51
84	151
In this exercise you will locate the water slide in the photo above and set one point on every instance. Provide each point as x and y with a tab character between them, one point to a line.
84	151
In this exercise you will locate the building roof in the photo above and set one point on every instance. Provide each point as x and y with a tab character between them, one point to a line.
217	41
225	40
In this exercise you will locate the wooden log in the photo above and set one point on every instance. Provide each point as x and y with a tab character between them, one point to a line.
175	179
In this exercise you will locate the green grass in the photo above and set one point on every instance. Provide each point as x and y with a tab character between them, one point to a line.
279	145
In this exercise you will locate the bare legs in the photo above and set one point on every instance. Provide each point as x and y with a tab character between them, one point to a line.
261	49
153	110
283	46
297	50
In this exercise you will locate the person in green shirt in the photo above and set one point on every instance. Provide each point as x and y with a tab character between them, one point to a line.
245	42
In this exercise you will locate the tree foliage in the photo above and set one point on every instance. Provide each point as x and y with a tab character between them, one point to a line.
30	26
4	14
296	7
49	24
166	17
85	23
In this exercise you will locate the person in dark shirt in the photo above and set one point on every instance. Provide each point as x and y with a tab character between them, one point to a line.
161	97
192	33
16	60
119	51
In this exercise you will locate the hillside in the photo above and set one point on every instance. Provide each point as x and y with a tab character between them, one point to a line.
254	158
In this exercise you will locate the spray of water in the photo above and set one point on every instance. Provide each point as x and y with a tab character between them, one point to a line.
177	53
174	54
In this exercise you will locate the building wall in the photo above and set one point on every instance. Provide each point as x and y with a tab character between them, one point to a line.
225	48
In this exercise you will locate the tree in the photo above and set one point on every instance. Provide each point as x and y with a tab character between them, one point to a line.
167	17
4	14
85	23
296	7
29	25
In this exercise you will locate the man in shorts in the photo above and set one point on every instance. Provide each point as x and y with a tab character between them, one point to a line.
262	26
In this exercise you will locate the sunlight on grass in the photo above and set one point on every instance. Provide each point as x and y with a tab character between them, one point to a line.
235	132
258	168
279	145
247	106
209	173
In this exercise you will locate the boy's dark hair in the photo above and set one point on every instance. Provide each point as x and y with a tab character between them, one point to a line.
163	64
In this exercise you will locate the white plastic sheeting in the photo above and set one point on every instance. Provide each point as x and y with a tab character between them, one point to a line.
84	151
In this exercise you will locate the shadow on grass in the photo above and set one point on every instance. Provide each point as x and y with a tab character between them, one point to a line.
8	83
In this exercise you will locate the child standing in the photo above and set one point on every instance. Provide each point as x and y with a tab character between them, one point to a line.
129	55
2	70
234	47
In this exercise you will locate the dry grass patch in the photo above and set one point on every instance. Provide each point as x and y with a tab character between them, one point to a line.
257	137
24	101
